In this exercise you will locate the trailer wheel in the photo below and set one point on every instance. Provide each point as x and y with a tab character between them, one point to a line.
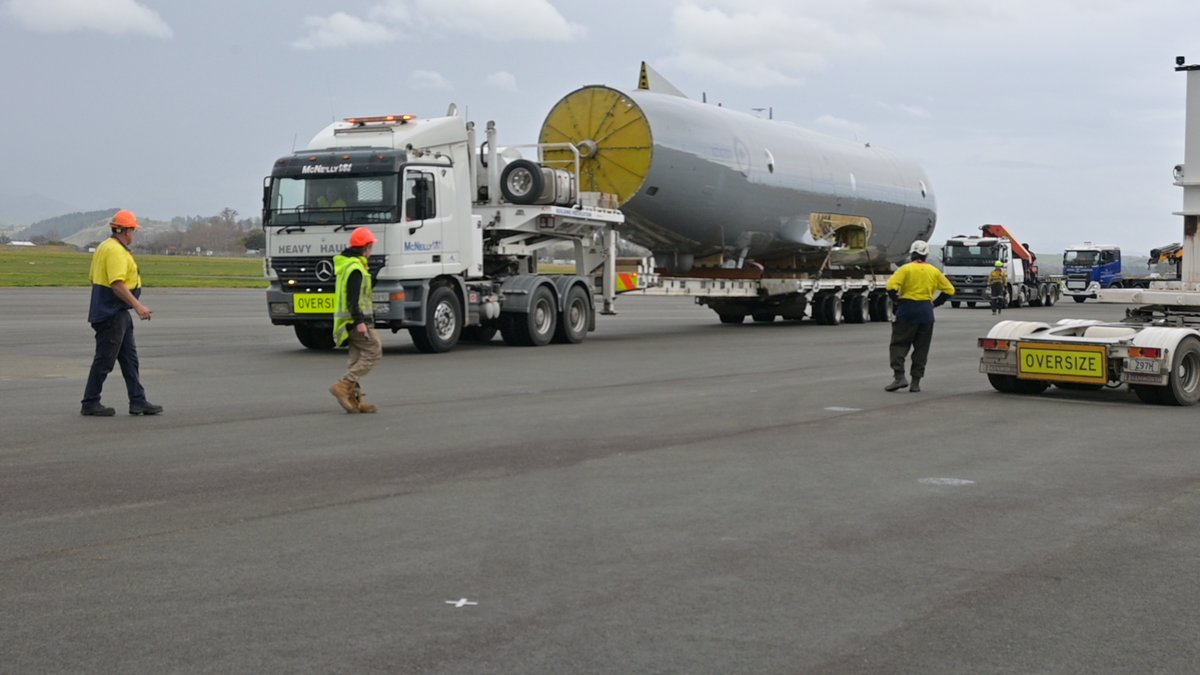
878	303
1183	387
443	322
573	322
854	307
317	336
1002	383
828	310
763	317
1051	295
731	318
1010	384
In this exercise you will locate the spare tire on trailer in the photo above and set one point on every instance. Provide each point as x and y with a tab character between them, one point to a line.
521	182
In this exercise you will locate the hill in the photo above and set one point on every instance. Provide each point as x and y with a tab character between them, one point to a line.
62	227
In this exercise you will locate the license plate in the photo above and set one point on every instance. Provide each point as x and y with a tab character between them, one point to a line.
1063	363
313	303
1142	365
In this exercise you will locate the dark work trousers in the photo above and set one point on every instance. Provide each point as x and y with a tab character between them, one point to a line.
915	336
114	344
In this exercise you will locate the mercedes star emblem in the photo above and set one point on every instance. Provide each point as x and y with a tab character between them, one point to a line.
324	270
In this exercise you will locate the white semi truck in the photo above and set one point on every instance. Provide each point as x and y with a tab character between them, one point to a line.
453	260
1155	350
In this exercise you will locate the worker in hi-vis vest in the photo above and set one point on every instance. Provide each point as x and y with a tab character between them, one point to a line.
913	289
354	321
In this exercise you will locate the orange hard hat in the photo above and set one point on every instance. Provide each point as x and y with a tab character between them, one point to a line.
361	236
125	220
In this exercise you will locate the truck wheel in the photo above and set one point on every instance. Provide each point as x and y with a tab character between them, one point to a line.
521	182
443	323
971	304
534	328
956	304
573	322
762	317
1079	298
1051	295
1183	387
318	336
1014	299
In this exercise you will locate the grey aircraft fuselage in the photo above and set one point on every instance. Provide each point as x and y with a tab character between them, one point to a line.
725	181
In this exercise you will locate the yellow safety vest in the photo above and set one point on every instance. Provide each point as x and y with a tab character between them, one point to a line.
343	320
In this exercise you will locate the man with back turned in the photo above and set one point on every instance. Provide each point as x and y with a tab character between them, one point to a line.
912	289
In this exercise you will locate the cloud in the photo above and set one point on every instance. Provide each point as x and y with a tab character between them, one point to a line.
342	30
770	45
507	21
503	80
115	17
428	79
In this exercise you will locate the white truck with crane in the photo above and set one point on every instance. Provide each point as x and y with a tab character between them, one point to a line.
967	262
1155	350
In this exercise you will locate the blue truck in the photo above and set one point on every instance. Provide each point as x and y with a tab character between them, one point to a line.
1090	267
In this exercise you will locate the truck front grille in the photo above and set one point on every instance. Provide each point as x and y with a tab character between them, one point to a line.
314	274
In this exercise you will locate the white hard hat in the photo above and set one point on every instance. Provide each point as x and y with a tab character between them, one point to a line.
919	247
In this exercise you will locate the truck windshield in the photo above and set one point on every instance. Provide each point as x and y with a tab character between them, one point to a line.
1085	258
969	255
341	200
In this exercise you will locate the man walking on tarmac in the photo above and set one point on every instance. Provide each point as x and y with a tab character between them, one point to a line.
116	289
912	288
354	322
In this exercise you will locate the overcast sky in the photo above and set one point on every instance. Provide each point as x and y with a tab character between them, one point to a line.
1059	118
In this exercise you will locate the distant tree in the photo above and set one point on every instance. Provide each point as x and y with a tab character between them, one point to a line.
256	240
4	239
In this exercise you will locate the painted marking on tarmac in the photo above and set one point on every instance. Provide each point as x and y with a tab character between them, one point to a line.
461	602
946	481
838	408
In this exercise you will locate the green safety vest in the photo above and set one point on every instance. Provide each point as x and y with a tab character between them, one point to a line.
343	320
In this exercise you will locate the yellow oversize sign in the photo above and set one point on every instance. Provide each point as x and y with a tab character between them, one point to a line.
313	303
1063	363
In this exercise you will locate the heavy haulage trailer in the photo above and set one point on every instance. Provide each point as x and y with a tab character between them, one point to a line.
1155	350
751	217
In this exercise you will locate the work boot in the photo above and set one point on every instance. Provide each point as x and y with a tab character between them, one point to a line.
360	401
898	383
916	384
145	408
96	410
343	391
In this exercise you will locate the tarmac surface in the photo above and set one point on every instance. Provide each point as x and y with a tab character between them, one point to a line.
671	496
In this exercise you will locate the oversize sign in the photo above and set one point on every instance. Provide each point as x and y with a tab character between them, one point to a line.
1062	362
313	303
